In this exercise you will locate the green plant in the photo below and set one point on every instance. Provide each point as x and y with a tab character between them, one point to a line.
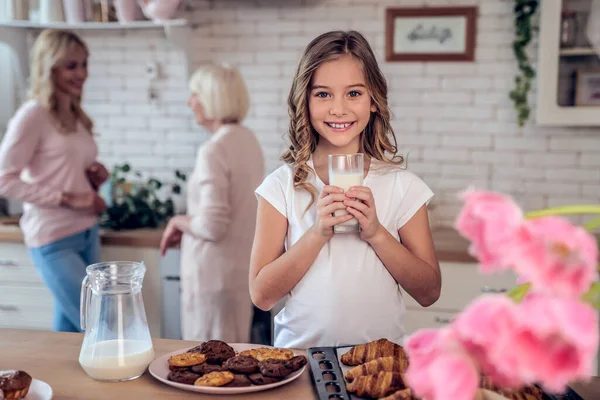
524	10
136	204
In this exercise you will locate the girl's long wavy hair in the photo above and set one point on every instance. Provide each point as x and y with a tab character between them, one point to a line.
377	140
51	48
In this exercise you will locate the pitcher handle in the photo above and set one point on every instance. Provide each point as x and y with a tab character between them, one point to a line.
85	300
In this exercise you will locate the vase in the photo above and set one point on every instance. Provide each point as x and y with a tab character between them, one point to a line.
51	11
159	10
128	11
568	29
77	11
17	10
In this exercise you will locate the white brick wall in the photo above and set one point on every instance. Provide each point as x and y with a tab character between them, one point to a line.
455	119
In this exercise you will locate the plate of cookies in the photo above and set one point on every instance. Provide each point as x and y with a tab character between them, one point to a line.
217	367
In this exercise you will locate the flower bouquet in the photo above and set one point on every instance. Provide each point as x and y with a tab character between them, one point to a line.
545	332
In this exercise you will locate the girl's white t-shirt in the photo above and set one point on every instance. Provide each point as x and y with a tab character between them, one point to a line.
347	296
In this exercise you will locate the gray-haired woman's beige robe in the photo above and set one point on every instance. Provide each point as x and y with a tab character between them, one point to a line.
215	298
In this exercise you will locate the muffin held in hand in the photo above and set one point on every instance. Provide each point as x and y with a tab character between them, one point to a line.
14	384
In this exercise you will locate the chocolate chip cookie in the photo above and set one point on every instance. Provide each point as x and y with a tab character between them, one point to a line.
259	379
203	369
297	362
239	380
275	368
186	377
216	351
265	353
281	368
178	369
187	359
216	378
242	364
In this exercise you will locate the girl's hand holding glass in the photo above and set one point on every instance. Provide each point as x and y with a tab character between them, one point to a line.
360	203
330	200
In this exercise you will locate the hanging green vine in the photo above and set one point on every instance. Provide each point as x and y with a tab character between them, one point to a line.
524	10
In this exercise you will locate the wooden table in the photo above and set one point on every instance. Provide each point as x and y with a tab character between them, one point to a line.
53	358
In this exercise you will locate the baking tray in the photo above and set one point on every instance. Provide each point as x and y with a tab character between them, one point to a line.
327	374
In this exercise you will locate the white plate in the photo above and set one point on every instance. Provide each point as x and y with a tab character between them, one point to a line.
159	368
39	390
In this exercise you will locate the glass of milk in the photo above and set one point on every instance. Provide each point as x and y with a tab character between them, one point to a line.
117	344
346	170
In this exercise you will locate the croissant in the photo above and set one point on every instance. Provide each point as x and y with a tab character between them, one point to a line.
363	353
382	364
404	394
378	385
527	393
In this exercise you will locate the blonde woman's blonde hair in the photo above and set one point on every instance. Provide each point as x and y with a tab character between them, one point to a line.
51	47
377	140
222	91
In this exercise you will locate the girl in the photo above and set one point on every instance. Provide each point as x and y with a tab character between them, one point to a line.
50	140
218	229
345	288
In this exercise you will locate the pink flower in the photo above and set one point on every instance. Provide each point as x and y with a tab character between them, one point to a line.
556	257
485	328
544	339
439	367
491	222
556	341
426	344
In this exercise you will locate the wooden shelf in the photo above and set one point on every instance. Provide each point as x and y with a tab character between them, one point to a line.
96	25
578	51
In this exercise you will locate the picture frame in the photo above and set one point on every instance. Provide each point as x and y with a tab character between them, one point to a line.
587	90
430	34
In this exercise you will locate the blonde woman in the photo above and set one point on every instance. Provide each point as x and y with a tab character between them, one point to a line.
48	161
221	212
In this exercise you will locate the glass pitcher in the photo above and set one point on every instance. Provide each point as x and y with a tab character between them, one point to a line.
117	344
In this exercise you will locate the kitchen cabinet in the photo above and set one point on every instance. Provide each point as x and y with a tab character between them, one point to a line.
568	67
461	284
26	302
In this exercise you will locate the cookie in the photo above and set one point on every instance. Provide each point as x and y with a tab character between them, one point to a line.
275	368
186	377
239	380
187	359
265	353
215	378
216	351
242	364
259	379
178	369
297	362
205	368
195	349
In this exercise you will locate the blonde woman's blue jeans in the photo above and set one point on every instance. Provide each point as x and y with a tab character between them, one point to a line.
61	265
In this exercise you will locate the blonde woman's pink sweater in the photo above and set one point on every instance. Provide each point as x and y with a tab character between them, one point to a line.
37	164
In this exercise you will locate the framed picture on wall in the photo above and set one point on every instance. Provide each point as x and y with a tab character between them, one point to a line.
430	34
587	91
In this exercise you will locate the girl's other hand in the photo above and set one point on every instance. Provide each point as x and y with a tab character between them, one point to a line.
330	200
360	203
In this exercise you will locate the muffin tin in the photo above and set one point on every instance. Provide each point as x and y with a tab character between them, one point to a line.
328	377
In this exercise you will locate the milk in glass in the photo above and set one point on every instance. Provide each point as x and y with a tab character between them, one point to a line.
345	171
